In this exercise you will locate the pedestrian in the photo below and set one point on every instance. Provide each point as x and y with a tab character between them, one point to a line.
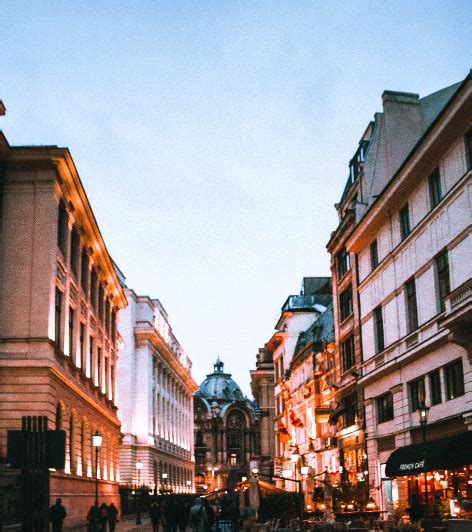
183	510
57	514
155	515
112	516
170	515
249	517
103	517
93	518
198	518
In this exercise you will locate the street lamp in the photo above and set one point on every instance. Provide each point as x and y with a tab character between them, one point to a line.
423	412
164	480
97	443
189	483
139	466
304	470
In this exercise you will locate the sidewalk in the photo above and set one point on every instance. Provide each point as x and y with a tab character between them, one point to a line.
128	523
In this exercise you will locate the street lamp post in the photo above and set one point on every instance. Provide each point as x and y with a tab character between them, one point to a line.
423	412
295	457
164	480
97	443
189	484
139	466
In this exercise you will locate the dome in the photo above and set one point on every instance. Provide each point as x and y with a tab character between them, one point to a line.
219	385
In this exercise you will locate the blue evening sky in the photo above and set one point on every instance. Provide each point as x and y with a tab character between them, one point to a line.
213	138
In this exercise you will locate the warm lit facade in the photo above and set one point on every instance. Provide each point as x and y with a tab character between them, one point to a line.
262	387
347	416
413	249
401	260
226	432
59	299
304	332
155	400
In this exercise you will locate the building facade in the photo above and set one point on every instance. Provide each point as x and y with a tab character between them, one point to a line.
304	331
226	432
409	246
262	387
155	400
59	300
347	416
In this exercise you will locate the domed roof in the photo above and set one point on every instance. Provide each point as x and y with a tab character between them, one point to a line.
219	385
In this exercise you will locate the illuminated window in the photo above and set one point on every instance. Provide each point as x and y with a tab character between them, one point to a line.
233	459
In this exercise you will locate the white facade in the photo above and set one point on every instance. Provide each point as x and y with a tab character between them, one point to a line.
155	399
419	293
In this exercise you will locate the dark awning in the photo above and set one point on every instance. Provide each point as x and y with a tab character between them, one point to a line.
443	453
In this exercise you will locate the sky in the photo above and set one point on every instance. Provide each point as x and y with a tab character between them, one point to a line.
213	137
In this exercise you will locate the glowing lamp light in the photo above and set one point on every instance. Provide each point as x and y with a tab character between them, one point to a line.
304	470
97	440
350	506
287	473
139	465
243	479
323	506
423	412
164	476
189	483
295	456
255	470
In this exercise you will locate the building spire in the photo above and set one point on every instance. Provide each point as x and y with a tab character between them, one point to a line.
218	366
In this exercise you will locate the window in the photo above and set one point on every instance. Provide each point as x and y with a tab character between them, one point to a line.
374	254
411	306
349	404
233	459
404	222
345	303
71	331
107	315
343	262
106	384
379	330
384	408
347	353
98	378
113	325
435	387
58	317
62	227
417	394
468	147
435	194
89	363
199	439
101	296
82	346
84	271
74	250
442	272
454	379
93	288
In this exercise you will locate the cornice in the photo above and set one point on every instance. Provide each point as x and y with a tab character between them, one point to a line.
150	334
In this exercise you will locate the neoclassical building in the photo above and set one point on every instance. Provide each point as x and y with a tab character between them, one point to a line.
59	299
262	387
226	432
155	399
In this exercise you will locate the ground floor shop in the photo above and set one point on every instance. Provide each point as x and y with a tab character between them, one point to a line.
435	477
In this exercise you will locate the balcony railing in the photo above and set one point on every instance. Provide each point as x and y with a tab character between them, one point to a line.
459	298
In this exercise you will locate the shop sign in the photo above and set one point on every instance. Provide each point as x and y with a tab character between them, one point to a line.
412	465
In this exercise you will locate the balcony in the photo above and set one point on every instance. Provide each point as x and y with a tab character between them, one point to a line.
459	304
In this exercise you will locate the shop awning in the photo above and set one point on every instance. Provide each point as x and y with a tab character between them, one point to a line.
443	453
